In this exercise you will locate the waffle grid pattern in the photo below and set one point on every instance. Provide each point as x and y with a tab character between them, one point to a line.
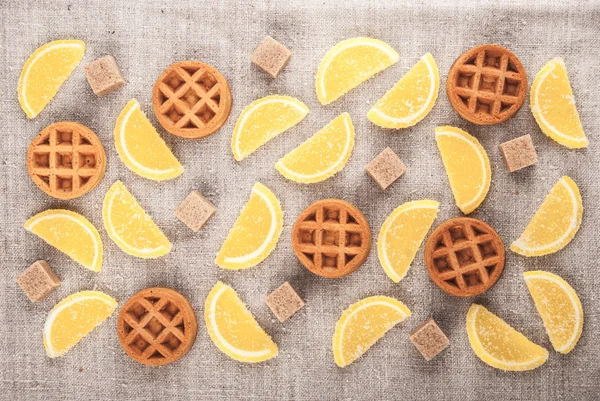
489	82
66	160
332	239
464	257
155	329
191	99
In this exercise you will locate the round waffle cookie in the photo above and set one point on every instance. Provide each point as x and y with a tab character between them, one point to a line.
464	256
487	84
157	326
331	238
191	99
66	160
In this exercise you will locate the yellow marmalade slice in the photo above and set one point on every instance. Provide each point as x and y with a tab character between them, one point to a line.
553	105
141	148
350	63
233	329
402	234
263	120
45	71
467	166
322	155
130	227
499	345
71	233
362	324
73	318
411	99
555	223
559	306
255	232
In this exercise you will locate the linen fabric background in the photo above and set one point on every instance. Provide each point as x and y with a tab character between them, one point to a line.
147	36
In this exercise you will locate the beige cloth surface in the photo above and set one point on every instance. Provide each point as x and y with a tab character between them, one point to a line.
147	36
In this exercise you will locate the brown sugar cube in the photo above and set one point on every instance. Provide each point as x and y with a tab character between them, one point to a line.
271	56
429	339
195	210
519	153
386	168
38	281
284	302
104	75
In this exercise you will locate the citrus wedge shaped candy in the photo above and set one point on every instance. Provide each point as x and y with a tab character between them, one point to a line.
322	155
467	166
141	148
255	232
71	233
554	224
233	329
130	227
45	71
401	236
499	345
263	120
362	324
73	318
559	306
350	63
553	105
411	99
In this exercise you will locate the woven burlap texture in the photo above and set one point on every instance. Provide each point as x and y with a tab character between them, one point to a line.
147	36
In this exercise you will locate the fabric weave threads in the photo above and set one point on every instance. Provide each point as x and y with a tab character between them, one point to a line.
146	37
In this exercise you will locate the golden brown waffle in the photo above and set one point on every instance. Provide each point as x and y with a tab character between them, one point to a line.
464	256
66	160
191	99
331	238
487	84
157	326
